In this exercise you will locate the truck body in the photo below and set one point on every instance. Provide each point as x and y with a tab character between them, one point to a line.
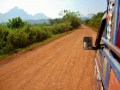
107	49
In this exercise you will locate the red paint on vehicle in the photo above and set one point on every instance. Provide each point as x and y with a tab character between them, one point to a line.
114	83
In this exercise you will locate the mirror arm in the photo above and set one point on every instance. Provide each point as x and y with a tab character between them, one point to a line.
101	46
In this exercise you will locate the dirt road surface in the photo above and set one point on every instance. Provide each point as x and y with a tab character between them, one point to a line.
62	64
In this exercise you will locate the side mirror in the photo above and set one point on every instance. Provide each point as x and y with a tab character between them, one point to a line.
87	43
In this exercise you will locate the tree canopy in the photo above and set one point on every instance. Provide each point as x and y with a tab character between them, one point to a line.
15	23
95	20
73	17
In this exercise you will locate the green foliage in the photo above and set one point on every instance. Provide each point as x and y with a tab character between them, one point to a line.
3	33
18	38
54	21
37	34
95	20
15	23
60	28
20	35
72	17
5	47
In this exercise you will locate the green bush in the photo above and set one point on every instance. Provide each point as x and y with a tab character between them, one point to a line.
4	46
11	39
18	38
6	49
72	17
37	34
61	28
15	23
48	31
95	20
3	33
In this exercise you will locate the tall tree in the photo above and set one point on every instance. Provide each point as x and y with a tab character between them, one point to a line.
15	23
95	20
73	17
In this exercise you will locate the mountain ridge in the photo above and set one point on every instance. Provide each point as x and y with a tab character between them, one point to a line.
16	12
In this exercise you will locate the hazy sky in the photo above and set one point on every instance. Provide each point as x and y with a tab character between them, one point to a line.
51	8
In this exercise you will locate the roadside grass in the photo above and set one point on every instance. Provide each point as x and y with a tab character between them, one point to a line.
35	45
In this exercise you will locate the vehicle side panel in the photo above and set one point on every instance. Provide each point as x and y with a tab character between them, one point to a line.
114	83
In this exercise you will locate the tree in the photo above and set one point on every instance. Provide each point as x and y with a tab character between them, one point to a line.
15	23
73	17
55	21
95	20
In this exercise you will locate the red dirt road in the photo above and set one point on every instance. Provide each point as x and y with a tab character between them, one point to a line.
59	65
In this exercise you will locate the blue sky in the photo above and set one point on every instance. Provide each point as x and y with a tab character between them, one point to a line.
51	8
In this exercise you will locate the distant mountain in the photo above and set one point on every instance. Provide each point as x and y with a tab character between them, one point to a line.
41	21
16	12
89	16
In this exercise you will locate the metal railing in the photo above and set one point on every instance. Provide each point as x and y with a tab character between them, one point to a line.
112	47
